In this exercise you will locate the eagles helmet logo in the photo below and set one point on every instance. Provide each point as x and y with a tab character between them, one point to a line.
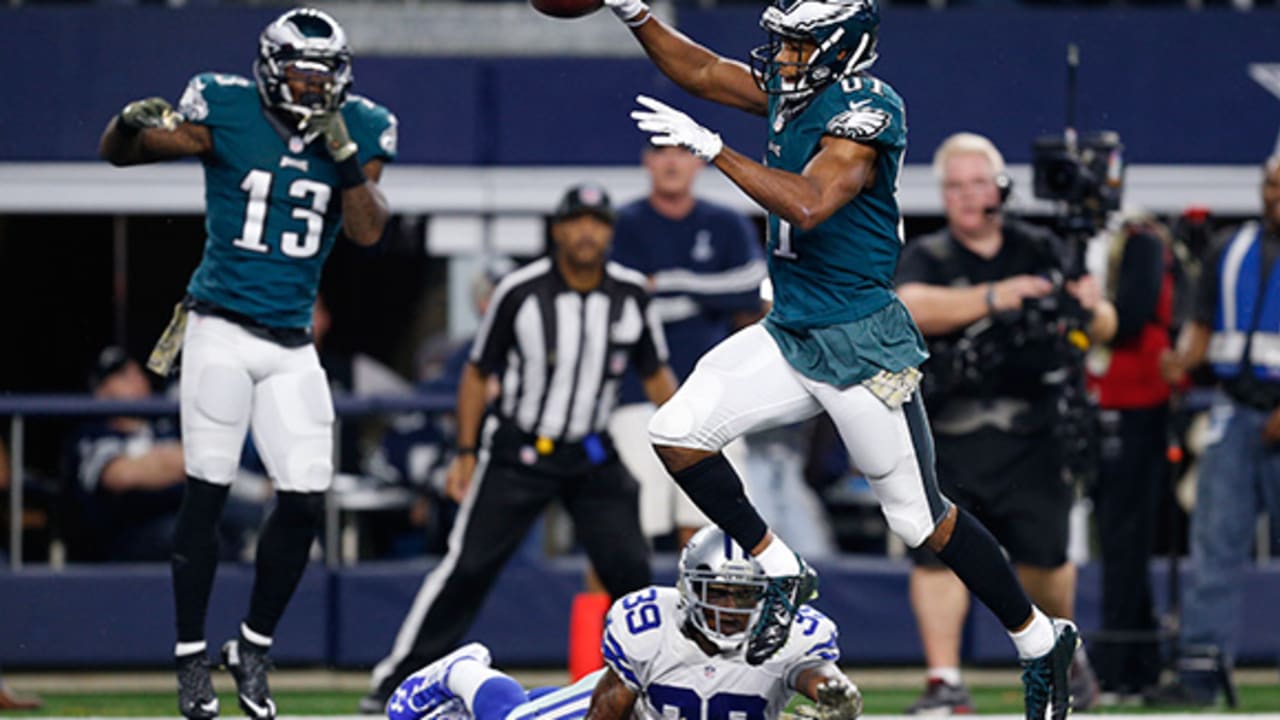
839	37
304	63
860	122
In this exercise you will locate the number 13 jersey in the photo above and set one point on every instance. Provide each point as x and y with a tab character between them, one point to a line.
272	199
673	678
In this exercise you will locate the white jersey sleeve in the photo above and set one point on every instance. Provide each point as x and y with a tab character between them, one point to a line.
814	641
634	631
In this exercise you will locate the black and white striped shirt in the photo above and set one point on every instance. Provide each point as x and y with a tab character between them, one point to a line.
562	353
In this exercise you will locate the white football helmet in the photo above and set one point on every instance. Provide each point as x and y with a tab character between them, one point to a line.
721	587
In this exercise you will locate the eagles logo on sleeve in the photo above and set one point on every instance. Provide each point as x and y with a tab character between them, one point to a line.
860	122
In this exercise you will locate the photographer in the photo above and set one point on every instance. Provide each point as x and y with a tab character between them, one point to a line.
981	294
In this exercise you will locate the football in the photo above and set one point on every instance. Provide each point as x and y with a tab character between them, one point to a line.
566	8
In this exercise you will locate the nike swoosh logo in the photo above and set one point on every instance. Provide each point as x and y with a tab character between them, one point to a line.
210	706
267	711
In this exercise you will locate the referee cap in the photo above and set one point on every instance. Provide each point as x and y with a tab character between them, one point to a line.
585	199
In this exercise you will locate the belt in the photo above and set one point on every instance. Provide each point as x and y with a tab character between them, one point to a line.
287	336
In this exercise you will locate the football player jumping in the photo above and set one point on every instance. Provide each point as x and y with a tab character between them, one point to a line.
289	158
669	652
837	338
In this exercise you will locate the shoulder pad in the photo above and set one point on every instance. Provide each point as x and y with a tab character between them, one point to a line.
814	639
209	96
865	109
634	629
372	126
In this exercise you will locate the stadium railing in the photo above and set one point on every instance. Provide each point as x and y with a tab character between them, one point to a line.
20	407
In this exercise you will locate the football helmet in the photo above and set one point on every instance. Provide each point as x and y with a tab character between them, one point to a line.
843	35
303	44
721	587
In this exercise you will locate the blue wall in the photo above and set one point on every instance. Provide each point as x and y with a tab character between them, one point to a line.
1173	83
123	616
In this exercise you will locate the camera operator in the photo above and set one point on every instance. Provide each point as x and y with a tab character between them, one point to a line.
1235	329
980	291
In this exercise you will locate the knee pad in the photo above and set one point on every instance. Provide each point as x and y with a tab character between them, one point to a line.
293	427
904	501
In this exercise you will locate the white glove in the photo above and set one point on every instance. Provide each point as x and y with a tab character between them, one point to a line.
628	11
670	127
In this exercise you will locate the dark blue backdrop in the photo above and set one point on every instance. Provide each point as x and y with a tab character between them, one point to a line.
1173	82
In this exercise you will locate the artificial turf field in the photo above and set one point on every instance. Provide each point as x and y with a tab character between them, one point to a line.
1005	701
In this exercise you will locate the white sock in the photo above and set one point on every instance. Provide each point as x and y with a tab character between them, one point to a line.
778	560
948	675
466	677
1036	639
254	637
184	649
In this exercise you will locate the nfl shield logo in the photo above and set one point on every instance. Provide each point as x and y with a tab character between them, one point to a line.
709	670
295	144
590	195
617	362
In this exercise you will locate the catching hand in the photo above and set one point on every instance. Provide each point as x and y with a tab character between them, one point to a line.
838	699
627	10
152	112
336	137
670	127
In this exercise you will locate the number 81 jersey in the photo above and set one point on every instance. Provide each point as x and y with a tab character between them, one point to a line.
272	200
675	680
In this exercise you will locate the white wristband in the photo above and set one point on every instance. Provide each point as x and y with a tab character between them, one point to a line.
629	11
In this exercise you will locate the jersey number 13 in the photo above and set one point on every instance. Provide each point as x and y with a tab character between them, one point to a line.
295	245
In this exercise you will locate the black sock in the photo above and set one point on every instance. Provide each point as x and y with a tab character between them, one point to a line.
975	557
195	554
283	550
716	489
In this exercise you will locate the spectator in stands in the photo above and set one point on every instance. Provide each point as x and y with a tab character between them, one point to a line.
1236	329
1133	472
130	474
704	266
993	421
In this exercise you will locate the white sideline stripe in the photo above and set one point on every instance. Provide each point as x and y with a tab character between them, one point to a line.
1144	716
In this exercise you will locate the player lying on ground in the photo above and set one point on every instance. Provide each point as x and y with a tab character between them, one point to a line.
669	652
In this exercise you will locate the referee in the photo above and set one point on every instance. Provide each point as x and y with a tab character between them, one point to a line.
559	334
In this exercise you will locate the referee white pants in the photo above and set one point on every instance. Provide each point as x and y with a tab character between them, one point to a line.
233	380
744	384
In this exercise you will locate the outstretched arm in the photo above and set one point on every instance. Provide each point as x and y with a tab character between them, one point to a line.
835	175
612	699
148	130
690	65
835	697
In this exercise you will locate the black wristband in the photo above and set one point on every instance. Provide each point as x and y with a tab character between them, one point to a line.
350	174
125	128
465	450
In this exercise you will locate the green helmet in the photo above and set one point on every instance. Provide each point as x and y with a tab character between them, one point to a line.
842	31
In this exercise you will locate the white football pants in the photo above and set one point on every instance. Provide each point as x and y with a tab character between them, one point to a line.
231	380
744	384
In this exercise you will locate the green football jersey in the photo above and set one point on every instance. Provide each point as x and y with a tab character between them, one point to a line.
841	270
273	205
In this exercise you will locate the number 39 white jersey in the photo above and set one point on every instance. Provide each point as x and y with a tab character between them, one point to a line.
675	680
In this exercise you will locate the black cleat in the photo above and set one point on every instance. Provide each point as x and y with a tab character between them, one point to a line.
1044	679
196	699
248	666
783	597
